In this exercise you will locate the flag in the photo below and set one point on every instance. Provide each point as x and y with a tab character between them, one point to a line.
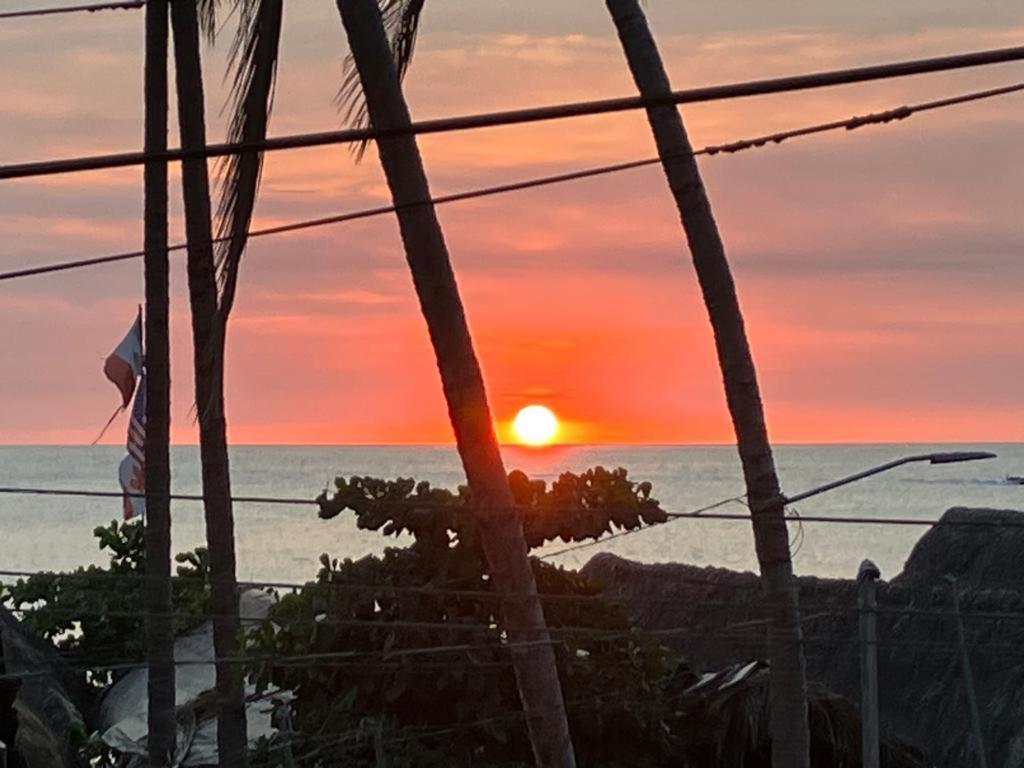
132	471
124	364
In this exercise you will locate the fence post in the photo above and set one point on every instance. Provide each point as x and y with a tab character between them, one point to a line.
867	577
972	699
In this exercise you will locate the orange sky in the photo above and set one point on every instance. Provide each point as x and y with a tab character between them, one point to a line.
879	270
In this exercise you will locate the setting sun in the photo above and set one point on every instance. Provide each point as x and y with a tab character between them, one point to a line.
535	425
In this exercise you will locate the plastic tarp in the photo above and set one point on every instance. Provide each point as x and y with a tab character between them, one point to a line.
123	712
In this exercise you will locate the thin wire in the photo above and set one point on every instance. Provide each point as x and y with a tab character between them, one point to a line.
329	586
575	706
300	659
172	496
852	520
273	500
78	614
125	5
331	658
703	513
374	589
629	694
727	633
369	624
851	123
410	732
570	630
380	590
326	740
619	534
530	115
795	547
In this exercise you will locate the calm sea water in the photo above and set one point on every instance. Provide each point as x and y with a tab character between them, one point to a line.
280	543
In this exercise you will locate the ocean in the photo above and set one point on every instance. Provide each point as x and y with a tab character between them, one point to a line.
282	543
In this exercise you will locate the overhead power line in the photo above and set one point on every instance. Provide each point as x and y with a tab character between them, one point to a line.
102	580
530	115
861	520
173	496
295	659
737	632
620	534
851	123
127	5
698	514
390	623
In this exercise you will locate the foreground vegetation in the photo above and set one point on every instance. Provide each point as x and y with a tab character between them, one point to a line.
402	659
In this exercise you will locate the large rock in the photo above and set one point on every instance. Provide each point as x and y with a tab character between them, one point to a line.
714	617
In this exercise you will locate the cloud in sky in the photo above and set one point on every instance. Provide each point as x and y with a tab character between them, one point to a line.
878	269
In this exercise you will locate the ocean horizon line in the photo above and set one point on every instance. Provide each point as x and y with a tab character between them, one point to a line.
545	448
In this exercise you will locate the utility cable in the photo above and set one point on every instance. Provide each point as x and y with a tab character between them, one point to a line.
81	493
288	660
125	5
851	123
103	578
726	633
345	587
377	591
586	544
703	513
855	520
529	115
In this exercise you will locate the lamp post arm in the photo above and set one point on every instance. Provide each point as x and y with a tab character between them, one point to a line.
854	478
934	458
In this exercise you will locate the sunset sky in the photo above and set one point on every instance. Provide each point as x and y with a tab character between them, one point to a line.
881	271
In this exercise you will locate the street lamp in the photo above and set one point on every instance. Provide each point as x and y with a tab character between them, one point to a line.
952	457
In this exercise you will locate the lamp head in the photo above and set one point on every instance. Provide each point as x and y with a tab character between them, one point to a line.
956	456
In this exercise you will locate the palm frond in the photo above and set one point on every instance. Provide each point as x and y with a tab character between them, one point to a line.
206	11
254	56
401	23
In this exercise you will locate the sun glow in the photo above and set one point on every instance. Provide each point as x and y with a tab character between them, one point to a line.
535	425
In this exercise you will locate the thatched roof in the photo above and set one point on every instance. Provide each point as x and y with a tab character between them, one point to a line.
922	683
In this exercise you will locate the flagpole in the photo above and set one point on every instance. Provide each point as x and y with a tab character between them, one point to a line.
162	739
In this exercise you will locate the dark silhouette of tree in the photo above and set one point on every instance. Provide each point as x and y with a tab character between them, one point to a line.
540	693
631	702
411	672
790	740
159	626
209	383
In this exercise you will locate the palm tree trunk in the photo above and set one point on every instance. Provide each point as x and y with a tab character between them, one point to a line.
161	741
790	739
461	378
209	387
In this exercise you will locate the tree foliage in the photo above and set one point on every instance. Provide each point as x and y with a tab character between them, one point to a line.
427	676
96	614
401	659
414	666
